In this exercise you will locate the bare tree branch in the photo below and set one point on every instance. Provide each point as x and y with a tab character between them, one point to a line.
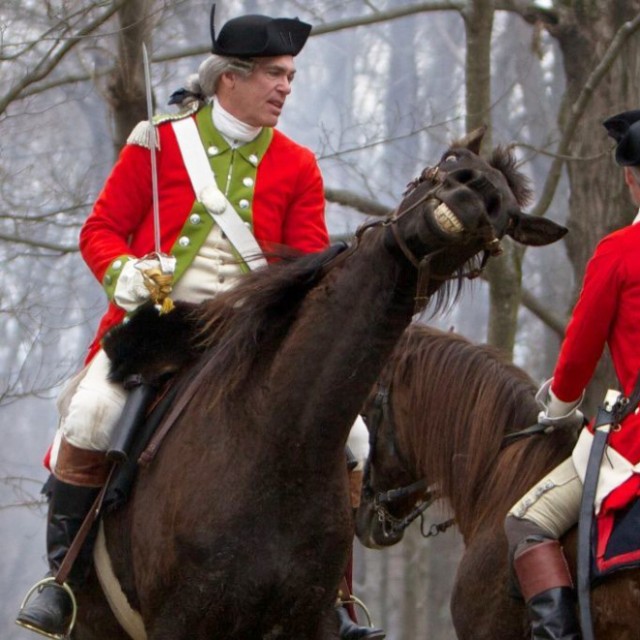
330	27
357	202
54	56
39	244
577	110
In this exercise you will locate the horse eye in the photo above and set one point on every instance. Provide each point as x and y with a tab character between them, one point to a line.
451	158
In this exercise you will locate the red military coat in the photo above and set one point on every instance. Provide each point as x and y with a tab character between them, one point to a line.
607	313
273	183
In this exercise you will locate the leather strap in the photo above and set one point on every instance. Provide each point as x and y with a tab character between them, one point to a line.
604	420
83	532
207	191
615	409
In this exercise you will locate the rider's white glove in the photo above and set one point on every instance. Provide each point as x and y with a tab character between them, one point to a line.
132	288
556	412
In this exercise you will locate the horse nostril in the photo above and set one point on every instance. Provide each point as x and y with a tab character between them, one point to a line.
464	176
479	183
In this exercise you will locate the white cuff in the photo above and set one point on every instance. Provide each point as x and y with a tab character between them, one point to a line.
552	405
557	408
130	291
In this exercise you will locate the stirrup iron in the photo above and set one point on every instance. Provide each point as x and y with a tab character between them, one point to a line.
51	581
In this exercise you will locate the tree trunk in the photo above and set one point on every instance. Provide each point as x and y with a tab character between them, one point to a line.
504	275
126	93
598	201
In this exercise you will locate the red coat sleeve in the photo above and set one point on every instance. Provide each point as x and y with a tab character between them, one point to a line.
289	199
123	203
305	228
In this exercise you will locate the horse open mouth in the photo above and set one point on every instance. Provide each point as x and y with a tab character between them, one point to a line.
446	220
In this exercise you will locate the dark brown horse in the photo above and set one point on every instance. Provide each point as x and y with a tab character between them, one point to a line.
240	528
450	407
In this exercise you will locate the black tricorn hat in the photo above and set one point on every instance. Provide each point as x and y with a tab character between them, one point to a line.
624	128
256	36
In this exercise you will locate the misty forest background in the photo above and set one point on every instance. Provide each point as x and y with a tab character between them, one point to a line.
382	86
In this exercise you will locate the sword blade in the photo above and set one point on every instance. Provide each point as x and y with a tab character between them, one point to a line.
154	165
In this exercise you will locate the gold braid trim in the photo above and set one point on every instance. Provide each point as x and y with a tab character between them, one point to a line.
160	286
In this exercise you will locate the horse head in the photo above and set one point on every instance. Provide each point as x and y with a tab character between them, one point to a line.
393	494
466	204
458	209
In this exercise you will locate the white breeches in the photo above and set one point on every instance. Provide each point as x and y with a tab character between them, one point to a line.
553	503
358	442
90	407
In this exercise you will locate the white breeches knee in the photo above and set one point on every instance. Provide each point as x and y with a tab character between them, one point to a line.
358	442
91	406
553	503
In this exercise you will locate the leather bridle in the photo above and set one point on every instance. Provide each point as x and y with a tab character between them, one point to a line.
390	524
491	243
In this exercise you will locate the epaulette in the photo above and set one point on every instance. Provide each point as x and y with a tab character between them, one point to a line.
142	133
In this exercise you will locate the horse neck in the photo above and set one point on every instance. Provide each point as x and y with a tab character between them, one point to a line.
452	404
346	329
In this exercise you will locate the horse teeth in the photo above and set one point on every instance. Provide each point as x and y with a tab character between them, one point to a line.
447	220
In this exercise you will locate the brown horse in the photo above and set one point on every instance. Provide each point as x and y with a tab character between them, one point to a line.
446	420
240	527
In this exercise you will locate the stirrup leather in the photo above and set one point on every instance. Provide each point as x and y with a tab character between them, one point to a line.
51	581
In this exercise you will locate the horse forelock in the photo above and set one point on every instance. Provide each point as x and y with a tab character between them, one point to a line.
503	159
475	392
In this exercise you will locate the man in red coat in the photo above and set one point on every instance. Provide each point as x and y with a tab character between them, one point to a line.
606	313
231	192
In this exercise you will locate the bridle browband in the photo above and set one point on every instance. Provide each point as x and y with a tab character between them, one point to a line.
491	244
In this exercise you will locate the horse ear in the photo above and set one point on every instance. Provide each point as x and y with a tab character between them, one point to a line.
472	140
534	231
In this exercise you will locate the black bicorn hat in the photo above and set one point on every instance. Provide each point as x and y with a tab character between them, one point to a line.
256	36
624	128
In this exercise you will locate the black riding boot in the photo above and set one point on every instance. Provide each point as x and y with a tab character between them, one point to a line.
547	588
49	611
349	630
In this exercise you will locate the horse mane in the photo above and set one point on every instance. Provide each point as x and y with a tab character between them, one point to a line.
449	291
470	396
257	311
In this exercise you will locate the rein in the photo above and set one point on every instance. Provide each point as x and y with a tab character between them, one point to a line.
533	430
